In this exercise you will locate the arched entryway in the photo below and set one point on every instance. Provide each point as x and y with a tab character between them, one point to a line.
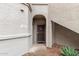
39	29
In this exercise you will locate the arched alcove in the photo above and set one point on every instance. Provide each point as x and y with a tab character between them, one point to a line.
39	29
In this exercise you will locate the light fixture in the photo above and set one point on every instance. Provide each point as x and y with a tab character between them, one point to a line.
21	10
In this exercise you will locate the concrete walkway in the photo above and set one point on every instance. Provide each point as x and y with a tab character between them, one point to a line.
42	50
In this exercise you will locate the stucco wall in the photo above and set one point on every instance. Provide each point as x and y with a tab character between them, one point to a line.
14	24
40	9
65	14
15	47
12	20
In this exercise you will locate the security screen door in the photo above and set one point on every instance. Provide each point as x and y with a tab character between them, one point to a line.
40	33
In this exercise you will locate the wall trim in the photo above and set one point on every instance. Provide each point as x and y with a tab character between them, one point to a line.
15	36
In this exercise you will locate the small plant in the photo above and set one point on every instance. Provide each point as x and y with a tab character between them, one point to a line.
67	51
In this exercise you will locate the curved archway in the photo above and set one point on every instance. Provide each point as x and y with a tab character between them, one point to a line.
39	29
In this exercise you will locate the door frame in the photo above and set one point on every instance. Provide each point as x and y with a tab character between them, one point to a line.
35	28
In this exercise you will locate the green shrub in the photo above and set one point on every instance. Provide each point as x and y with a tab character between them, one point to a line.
67	51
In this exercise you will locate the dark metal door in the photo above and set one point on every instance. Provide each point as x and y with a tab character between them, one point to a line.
40	33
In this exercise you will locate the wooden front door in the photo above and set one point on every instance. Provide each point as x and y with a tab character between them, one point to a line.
40	33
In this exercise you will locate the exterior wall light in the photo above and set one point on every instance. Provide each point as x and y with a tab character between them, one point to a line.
21	10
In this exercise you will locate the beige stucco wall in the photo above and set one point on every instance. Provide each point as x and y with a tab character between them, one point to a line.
12	18
15	36
38	9
65	14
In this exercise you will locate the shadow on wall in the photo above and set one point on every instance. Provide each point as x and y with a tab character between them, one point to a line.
66	36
